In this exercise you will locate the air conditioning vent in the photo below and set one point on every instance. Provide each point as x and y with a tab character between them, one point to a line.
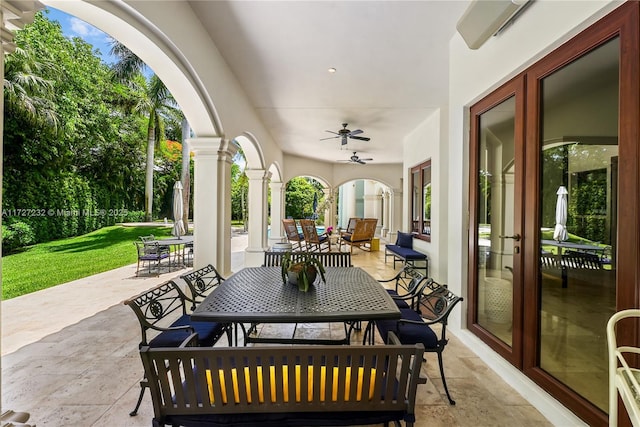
484	18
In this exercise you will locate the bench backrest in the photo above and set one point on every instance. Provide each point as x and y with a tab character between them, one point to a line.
581	260
364	230
327	259
154	305
200	283
302	378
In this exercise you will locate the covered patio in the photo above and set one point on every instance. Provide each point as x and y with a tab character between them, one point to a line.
85	370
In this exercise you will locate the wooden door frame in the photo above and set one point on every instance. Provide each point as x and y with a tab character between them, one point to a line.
513	88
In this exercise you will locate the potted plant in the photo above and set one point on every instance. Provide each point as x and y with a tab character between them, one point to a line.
301	270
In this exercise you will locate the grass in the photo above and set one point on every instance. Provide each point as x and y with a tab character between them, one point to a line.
49	264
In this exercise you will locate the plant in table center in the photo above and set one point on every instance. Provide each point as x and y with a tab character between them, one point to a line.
301	269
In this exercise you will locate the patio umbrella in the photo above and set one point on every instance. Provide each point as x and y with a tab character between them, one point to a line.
560	232
178	228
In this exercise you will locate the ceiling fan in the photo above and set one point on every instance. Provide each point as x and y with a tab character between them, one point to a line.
356	159
345	133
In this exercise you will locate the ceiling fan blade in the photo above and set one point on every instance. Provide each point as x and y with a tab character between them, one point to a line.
368	160
331	137
343	161
362	138
360	161
355	132
330	131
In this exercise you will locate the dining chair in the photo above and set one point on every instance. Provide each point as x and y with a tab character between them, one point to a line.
150	253
314	241
293	235
407	286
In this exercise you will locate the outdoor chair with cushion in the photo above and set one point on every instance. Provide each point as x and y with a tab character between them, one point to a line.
314	241
408	284
163	310
362	235
351	225
434	305
200	283
150	253
291	230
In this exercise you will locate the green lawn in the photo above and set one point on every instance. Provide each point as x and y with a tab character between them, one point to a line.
49	264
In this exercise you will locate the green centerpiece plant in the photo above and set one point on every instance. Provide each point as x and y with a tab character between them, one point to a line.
301	269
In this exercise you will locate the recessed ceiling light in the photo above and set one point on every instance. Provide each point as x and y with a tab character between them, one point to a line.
332	70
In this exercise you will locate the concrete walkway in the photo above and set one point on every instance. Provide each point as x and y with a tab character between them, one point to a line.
29	318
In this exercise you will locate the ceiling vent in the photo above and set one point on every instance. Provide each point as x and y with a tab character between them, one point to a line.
484	18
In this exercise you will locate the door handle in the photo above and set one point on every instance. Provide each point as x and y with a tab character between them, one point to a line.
515	237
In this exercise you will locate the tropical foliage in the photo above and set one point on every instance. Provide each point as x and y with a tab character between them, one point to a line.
299	197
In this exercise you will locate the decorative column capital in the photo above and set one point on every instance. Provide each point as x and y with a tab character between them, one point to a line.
257	174
213	146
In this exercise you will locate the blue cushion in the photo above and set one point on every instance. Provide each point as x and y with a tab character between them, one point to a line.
404	240
409	333
208	333
399	302
406	253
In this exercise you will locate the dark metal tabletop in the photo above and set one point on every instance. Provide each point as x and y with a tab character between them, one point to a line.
257	294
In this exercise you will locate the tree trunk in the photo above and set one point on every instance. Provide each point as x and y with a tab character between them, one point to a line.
186	174
148	184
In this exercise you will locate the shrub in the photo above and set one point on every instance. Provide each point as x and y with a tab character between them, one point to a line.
134	216
16	235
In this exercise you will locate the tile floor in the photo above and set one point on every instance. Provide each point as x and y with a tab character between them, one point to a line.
72	368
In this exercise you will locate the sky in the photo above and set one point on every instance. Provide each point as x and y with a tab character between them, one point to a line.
74	27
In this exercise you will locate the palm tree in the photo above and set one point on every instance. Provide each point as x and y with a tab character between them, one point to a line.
155	104
26	93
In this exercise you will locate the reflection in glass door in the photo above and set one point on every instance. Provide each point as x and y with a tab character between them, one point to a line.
496	238
578	219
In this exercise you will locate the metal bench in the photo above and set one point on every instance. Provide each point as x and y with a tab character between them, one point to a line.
274	386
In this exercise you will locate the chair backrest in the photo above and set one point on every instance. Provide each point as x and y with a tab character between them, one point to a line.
351	225
291	229
409	279
327	259
153	305
147	250
435	304
200	283
309	230
365	230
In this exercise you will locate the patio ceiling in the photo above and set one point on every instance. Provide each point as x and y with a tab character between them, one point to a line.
391	59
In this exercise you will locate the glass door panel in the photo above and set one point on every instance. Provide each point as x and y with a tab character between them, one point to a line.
578	219
496	237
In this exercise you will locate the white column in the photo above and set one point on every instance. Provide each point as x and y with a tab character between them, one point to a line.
395	217
349	200
385	213
330	211
212	160
257	216
277	212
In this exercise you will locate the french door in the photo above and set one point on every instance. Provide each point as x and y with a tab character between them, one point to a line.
554	222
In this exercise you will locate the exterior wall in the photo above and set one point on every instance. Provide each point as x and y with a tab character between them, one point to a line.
422	144
544	26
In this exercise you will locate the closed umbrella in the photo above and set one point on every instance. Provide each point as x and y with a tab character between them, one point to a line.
560	232
178	228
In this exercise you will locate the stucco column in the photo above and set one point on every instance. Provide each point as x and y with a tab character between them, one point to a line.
277	212
385	213
349	200
212	202
257	216
370	199
330	211
395	213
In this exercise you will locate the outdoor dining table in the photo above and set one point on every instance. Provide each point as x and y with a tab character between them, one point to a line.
176	246
258	295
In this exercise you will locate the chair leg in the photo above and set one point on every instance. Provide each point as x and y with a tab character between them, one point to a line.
444	381
135	410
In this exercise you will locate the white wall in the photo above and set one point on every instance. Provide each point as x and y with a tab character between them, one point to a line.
422	144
